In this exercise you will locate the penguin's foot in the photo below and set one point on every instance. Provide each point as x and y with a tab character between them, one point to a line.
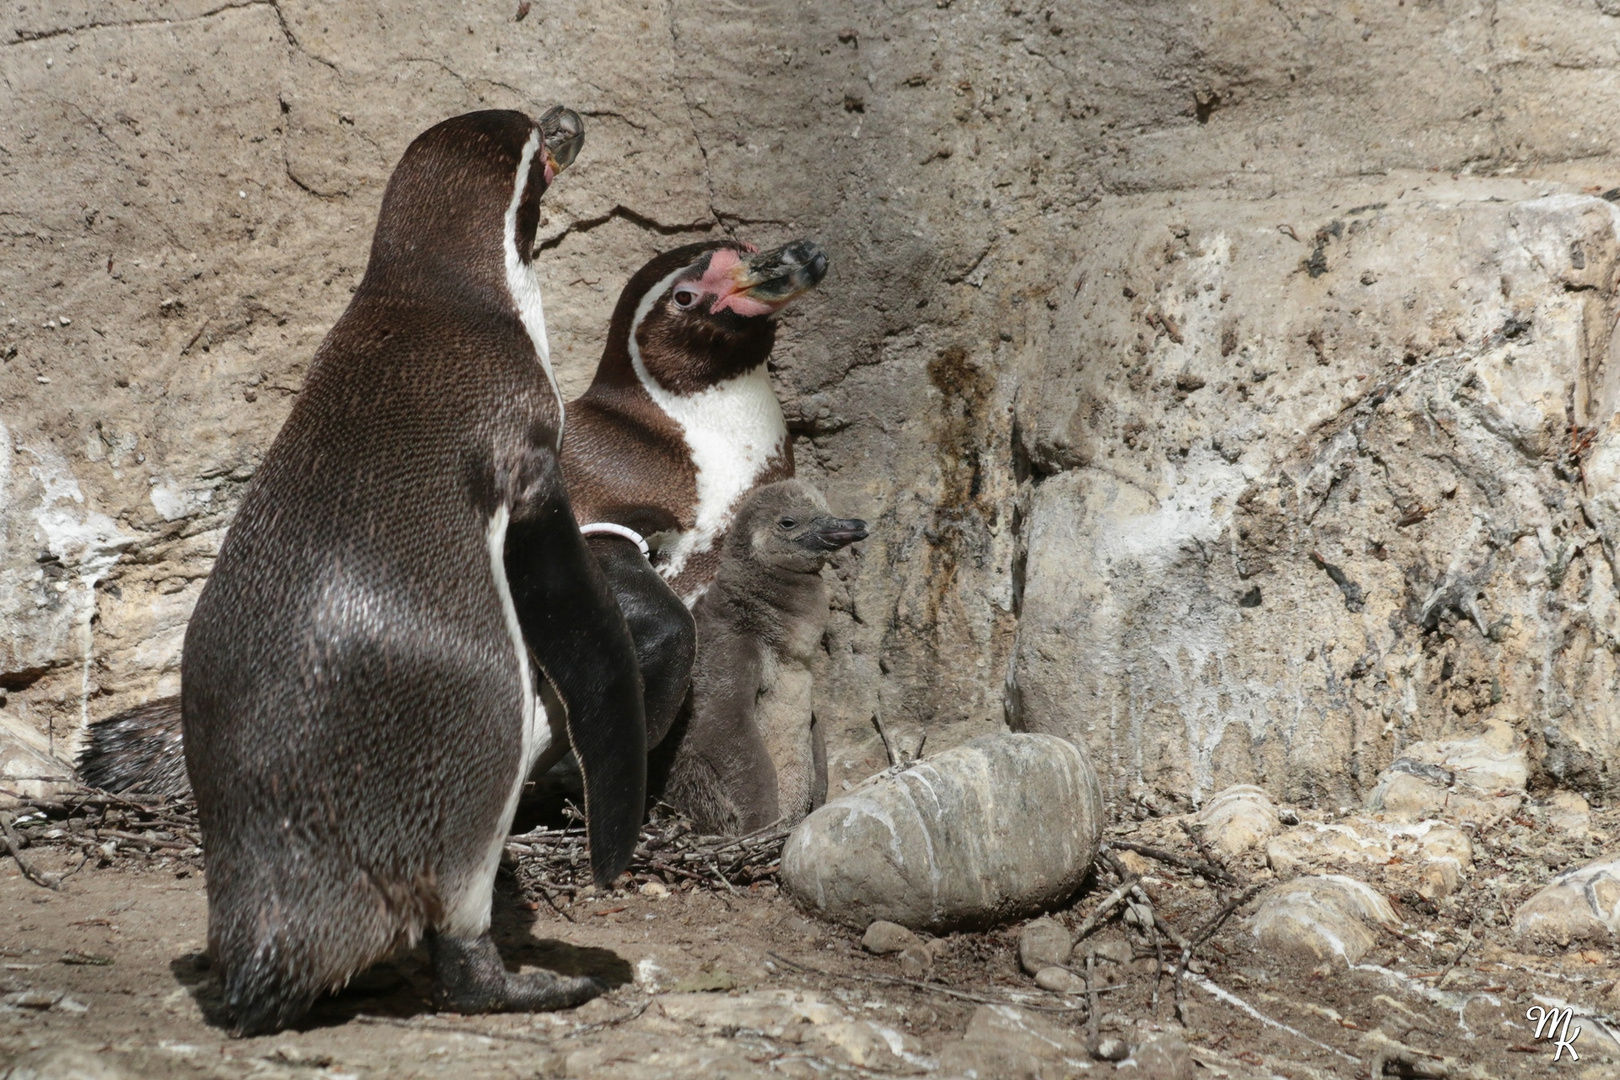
468	978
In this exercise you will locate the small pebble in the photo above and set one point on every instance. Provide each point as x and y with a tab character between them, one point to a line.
916	961
654	889
1060	980
1043	944
1111	1050
884	937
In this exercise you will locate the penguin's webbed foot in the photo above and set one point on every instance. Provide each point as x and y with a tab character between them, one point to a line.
468	978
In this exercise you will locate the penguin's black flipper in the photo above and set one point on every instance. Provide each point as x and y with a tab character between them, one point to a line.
662	627
582	646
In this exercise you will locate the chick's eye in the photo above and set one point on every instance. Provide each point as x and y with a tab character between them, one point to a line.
787	523
685	298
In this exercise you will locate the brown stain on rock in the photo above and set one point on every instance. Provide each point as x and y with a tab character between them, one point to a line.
960	440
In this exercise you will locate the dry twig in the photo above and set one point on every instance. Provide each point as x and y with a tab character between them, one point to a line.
29	870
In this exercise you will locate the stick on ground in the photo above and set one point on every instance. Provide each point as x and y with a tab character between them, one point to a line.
29	870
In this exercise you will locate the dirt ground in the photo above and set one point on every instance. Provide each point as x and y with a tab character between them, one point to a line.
108	976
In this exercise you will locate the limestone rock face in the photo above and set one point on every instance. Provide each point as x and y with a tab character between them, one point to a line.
1328	477
1480	778
1233	393
1000	827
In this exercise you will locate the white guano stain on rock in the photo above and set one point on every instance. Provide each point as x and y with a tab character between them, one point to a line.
174	501
85	542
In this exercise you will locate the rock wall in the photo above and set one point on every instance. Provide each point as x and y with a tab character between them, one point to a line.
1228	385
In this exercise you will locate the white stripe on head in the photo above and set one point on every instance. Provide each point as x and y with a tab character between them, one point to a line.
732	430
521	281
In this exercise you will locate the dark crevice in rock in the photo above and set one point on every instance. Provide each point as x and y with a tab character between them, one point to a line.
625	213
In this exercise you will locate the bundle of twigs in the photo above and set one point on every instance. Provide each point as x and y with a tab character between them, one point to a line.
102	826
670	852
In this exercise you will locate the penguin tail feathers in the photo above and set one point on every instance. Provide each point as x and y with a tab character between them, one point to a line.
261	1001
138	750
277	957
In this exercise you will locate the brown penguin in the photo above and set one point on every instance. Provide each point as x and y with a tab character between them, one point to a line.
681	421
748	753
360	675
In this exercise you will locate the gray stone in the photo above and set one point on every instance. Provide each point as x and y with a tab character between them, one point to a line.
1111	1048
884	937
1001	827
1580	905
1060	980
1042	944
1114	951
1322	917
916	961
1160	1057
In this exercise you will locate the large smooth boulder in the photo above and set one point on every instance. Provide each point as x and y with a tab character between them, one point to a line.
998	828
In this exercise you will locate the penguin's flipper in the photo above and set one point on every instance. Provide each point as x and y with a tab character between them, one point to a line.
662	627
580	642
818	763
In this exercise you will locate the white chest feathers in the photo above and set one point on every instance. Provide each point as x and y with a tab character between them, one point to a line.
733	431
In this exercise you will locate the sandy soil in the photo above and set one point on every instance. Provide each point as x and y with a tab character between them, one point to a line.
714	984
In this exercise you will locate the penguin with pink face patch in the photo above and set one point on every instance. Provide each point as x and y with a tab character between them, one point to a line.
679	425
681	421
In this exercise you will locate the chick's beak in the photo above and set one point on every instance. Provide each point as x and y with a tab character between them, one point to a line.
833	533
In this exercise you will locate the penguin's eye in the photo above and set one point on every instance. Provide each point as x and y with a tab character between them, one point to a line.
787	523
685	298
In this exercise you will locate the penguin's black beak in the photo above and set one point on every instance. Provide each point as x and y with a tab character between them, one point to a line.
830	534
563	131
775	277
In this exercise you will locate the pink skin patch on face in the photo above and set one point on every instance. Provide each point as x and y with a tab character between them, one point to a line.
721	280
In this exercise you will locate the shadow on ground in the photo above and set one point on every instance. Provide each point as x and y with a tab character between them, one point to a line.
400	987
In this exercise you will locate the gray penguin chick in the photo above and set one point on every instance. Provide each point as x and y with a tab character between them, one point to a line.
746	754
